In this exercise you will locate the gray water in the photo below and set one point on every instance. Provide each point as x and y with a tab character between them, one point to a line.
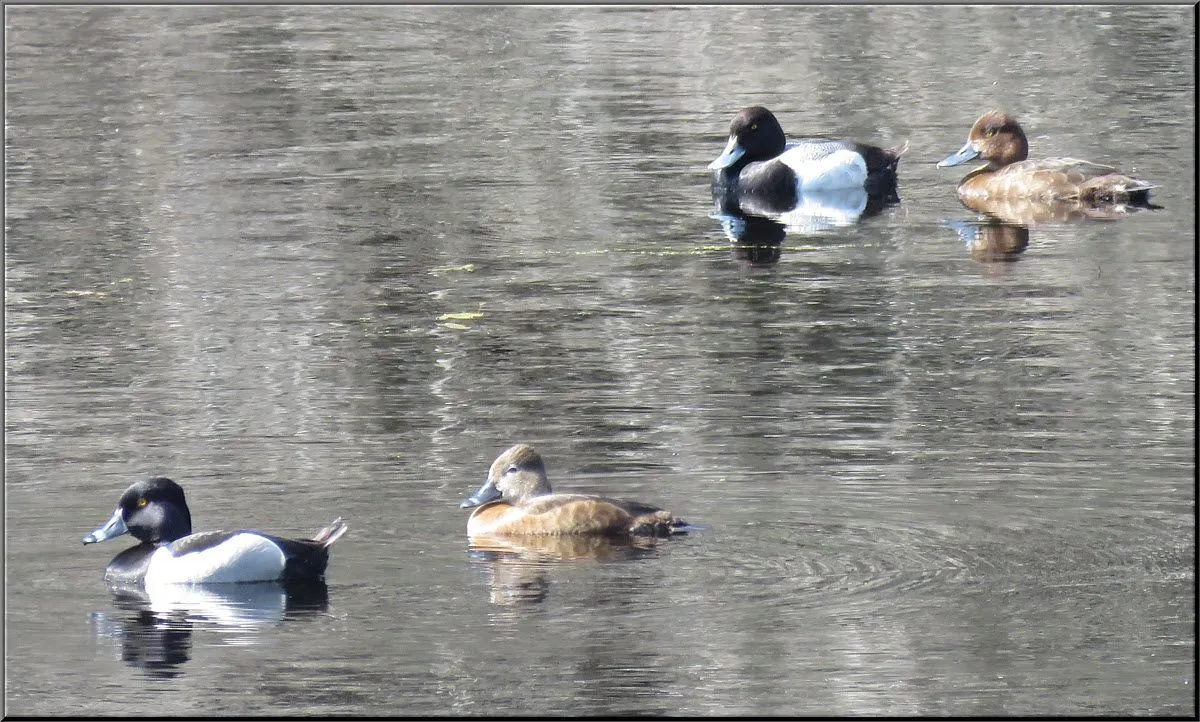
316	262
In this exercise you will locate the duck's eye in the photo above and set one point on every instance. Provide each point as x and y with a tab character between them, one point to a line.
989	132
754	126
511	470
141	501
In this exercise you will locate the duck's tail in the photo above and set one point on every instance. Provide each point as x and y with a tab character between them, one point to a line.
881	161
881	170
331	533
1116	188
898	150
659	523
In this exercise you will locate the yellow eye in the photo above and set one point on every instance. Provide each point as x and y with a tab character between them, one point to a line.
141	502
754	126
989	133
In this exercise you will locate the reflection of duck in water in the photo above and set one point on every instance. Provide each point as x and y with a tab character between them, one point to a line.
516	500
1011	186
757	240
518	567
155	631
813	212
560	547
157	644
241	605
991	240
758	235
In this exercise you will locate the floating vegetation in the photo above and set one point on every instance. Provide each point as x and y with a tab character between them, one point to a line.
453	320
461	316
465	268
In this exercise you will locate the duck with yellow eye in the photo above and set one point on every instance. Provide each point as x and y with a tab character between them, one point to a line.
810	183
155	512
1009	176
517	500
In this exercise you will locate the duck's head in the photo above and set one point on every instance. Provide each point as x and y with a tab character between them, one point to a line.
516	476
153	511
996	138
754	135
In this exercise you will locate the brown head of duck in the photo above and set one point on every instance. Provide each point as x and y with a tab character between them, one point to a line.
516	499
1007	174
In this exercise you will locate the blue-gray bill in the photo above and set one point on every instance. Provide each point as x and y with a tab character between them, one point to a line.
964	154
113	527
487	492
733	151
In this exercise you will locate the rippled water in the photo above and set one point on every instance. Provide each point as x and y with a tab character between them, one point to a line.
313	262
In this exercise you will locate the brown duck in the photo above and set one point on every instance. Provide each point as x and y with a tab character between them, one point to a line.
516	499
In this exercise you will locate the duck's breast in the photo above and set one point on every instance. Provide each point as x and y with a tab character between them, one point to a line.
493	518
129	567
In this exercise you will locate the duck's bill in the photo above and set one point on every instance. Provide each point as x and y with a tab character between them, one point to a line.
963	155
729	156
487	492
113	527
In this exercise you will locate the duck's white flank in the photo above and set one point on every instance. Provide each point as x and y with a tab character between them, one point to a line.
242	557
842	168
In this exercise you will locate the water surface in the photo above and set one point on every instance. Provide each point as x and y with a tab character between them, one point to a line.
314	262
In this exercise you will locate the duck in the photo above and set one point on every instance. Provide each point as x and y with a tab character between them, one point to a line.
762	169
155	512
1007	174
516	499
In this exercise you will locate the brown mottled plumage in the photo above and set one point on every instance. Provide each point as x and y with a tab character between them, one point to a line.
1029	212
516	499
998	139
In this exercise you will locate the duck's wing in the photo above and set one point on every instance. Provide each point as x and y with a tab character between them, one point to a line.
1074	167
588	514
574	514
878	160
810	149
1074	179
198	542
